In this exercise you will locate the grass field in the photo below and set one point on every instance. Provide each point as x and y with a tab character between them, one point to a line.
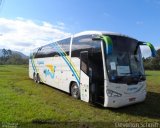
24	103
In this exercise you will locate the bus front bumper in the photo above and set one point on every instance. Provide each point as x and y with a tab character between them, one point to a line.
124	100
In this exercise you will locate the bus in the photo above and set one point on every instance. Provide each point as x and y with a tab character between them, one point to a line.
99	67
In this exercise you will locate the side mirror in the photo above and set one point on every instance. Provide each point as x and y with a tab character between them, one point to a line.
107	40
109	44
153	51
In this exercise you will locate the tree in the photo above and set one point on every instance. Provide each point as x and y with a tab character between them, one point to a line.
12	58
152	63
156	61
9	52
4	52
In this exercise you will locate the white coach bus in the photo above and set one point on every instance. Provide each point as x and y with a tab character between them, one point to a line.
98	67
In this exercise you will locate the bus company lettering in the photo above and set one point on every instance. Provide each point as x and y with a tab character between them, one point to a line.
40	62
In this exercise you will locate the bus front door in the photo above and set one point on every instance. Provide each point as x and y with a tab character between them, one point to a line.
84	78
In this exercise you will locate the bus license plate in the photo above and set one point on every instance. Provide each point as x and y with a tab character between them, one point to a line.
132	99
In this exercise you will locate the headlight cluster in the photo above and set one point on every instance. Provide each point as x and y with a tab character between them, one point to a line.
111	93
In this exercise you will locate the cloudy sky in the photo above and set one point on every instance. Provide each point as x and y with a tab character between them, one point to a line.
27	24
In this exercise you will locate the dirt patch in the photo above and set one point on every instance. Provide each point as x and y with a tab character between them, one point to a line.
18	90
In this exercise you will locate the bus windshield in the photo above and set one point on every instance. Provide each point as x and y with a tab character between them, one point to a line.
124	64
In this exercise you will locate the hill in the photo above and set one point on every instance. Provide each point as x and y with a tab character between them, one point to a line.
12	57
13	52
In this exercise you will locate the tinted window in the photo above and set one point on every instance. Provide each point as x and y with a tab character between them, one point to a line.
84	43
84	62
50	50
46	51
65	45
125	63
122	44
33	53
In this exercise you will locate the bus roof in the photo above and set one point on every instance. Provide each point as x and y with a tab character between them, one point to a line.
99	33
94	33
89	33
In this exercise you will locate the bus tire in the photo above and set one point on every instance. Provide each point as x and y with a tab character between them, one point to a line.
75	93
34	77
38	79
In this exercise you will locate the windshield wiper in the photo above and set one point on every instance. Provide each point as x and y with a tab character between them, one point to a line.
140	77
126	74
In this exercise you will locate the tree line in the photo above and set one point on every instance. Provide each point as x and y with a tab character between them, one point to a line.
9	57
152	63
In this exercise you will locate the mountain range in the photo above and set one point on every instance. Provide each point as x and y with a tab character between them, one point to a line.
13	52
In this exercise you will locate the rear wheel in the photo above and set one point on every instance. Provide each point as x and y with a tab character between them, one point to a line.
75	91
38	79
34	77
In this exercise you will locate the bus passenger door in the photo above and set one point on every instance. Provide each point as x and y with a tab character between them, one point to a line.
84	78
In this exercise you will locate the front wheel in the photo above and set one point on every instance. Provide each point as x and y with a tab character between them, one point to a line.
75	91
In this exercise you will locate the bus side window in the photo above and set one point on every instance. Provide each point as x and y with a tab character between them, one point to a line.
37	52
65	45
81	43
84	62
46	51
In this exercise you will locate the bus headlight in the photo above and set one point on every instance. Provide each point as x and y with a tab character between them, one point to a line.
111	93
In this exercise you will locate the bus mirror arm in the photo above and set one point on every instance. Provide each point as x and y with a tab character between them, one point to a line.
107	40
153	51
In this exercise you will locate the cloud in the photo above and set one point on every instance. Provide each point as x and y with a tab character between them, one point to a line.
146	52
24	35
61	24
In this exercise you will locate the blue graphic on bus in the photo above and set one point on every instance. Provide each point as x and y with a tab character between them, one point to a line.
50	71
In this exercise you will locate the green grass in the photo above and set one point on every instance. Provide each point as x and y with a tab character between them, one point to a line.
28	104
